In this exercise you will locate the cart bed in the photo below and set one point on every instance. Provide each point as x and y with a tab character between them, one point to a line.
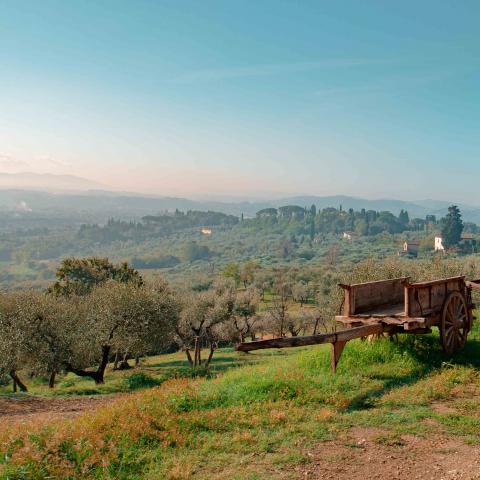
410	306
397	310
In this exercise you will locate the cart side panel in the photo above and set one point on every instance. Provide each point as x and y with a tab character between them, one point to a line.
362	297
428	297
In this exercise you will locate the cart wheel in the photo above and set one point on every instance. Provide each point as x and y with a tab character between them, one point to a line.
455	323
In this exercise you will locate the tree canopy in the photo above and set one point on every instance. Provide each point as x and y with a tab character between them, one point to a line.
452	227
78	276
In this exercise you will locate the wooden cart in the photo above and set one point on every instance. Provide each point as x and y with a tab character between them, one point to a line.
394	306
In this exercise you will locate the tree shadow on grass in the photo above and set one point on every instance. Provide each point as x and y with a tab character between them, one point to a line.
429	357
219	364
184	363
219	361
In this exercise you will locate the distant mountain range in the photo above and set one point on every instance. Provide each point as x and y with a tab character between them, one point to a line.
64	194
47	182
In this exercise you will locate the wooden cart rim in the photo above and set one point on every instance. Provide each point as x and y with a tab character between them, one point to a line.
405	280
348	286
431	283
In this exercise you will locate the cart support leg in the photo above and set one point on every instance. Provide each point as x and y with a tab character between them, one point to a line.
337	349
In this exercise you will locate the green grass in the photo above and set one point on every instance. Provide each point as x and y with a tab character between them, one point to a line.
158	368
295	400
258	414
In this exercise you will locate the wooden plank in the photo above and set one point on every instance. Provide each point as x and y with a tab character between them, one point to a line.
427	298
371	320
432	320
286	342
375	282
408	300
389	310
435	282
393	321
356	318
337	349
415	325
363	297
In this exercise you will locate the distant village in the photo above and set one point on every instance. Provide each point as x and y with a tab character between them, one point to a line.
429	234
467	244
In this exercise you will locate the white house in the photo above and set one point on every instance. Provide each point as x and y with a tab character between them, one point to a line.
439	244
349	235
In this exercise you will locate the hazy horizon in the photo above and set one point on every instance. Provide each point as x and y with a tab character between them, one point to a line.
254	100
82	186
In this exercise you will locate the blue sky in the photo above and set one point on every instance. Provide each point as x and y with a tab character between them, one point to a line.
261	98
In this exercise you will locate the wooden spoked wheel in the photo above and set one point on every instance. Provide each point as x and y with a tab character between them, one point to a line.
455	322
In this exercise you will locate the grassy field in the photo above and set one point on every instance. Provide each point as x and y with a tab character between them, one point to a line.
153	371
257	414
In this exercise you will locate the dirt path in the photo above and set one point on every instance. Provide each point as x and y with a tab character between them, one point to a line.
368	454
29	408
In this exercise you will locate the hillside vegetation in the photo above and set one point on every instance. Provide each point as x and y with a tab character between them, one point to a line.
181	243
259	421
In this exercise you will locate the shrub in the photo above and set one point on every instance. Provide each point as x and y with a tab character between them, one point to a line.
141	380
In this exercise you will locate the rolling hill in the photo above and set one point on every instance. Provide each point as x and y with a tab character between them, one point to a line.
69	194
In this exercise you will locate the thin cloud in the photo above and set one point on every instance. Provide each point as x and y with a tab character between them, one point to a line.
9	163
389	84
271	69
48	161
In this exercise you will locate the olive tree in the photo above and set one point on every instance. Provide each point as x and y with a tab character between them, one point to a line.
244	318
79	276
298	322
247	273
121	316
301	292
17	314
203	321
156	312
263	282
54	323
278	315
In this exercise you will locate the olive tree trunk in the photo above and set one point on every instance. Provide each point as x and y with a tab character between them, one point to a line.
97	375
51	380
17	382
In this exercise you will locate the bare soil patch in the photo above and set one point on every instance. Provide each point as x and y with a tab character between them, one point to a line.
443	408
374	454
28	408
